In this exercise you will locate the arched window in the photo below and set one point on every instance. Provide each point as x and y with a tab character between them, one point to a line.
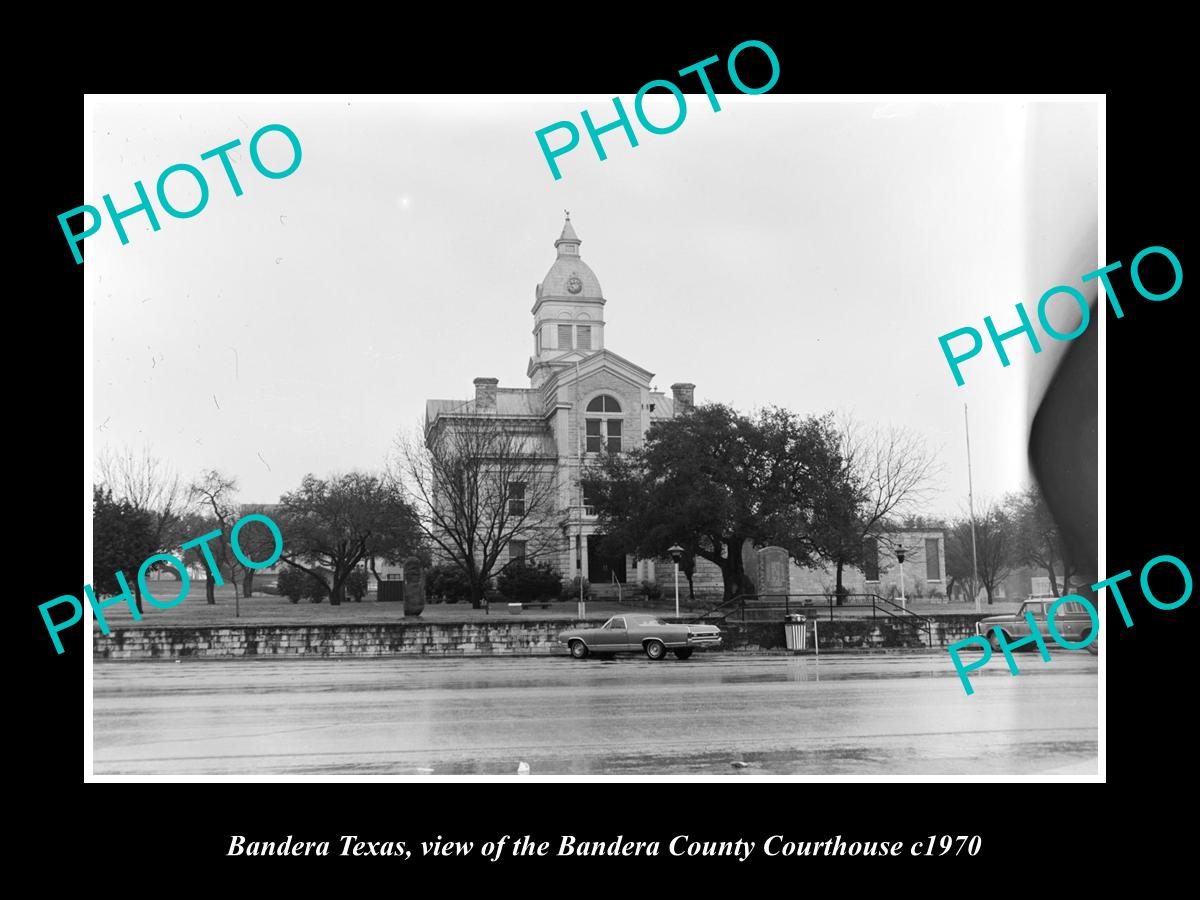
604	424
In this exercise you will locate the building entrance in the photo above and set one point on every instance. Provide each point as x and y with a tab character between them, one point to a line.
602	568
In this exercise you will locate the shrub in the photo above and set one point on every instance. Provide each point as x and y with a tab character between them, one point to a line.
448	582
315	589
526	583
570	589
356	585
652	590
292	584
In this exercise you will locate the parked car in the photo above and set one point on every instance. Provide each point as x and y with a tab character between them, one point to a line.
1071	619
639	633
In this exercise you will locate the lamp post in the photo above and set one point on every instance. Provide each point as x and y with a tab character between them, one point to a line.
900	551
676	554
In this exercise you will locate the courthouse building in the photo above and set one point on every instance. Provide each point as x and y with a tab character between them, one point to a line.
583	398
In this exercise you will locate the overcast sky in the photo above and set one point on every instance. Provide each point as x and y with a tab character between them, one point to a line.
777	252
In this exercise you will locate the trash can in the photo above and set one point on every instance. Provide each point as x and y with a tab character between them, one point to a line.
795	631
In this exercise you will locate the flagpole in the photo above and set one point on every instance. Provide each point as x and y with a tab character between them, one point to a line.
971	507
579	460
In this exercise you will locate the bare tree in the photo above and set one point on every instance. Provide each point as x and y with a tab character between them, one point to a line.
151	487
477	484
1039	541
996	545
215	495
887	472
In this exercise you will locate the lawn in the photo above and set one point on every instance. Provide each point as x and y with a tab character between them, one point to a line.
268	609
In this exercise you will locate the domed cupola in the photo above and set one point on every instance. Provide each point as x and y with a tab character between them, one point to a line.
570	278
568	310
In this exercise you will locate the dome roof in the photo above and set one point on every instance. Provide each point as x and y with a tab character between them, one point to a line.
570	278
558	283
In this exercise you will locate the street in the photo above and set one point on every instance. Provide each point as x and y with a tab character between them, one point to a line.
716	714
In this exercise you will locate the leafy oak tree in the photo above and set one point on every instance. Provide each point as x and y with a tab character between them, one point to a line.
713	479
331	525
122	536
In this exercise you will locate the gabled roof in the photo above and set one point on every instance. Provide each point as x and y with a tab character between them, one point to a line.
601	359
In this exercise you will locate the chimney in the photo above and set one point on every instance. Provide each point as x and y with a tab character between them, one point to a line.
485	393
684	394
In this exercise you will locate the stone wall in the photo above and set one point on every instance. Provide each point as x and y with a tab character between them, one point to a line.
524	638
841	634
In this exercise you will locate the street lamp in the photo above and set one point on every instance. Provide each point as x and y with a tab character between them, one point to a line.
676	554
900	551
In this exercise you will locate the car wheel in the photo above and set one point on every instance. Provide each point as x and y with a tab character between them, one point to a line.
656	649
994	640
1091	648
579	649
682	654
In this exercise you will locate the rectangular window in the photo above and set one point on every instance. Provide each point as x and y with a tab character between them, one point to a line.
614	435
516	498
583	337
564	337
593	436
589	500
516	551
933	566
871	559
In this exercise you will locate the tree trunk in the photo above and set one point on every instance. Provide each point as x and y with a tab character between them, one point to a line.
210	590
837	589
337	593
477	595
988	588
137	594
248	583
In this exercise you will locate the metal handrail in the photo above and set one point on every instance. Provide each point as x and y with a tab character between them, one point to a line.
739	603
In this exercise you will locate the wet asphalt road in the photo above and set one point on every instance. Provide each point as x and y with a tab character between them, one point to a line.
880	715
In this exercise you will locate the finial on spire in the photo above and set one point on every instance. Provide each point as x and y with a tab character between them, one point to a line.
567	213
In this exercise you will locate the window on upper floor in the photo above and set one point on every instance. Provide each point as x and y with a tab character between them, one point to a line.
603	425
516	498
583	337
564	337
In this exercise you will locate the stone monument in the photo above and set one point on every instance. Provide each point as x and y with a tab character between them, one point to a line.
773	572
414	587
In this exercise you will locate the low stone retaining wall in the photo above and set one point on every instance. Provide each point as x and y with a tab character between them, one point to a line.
524	637
840	634
518	638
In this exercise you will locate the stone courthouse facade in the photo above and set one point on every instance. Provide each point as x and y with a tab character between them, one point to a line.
583	398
